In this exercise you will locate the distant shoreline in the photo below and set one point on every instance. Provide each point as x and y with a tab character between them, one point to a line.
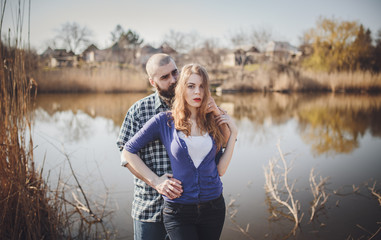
265	78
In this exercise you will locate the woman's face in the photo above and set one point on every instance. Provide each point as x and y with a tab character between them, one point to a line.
194	92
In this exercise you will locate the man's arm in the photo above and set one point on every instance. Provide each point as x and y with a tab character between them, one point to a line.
217	111
228	153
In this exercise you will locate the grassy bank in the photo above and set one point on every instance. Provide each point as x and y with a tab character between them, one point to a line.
284	78
107	78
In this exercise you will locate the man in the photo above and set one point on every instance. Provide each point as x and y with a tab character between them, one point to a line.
147	205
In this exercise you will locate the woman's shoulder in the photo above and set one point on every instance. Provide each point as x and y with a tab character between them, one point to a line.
164	116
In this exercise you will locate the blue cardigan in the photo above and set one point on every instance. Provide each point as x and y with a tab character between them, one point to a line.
200	184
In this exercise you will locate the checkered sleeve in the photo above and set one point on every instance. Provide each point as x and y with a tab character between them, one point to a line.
148	133
130	126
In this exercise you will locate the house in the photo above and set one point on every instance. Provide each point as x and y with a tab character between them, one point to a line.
242	56
228	59
58	58
282	52
147	51
94	55
89	54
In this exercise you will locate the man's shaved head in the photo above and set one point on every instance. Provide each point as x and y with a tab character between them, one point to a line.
155	61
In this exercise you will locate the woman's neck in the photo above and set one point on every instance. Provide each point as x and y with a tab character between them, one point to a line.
193	112
195	130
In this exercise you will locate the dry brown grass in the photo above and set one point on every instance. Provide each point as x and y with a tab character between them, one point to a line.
319	193
29	208
106	78
26	212
346	81
284	78
278	187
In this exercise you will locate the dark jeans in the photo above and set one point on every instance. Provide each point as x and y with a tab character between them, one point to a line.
149	231
195	221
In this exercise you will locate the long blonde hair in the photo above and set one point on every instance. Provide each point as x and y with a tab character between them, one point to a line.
180	112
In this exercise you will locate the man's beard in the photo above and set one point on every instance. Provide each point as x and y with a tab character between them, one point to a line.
166	95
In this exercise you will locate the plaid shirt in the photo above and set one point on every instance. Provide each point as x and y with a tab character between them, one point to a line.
148	203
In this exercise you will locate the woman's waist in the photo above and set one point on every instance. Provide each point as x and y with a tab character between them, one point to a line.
194	202
196	196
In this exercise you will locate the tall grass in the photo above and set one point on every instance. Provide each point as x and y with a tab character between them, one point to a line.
25	212
106	78
284	78
29	209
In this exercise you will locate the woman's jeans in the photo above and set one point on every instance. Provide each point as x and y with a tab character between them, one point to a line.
195	221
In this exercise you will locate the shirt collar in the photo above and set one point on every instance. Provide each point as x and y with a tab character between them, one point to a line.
159	102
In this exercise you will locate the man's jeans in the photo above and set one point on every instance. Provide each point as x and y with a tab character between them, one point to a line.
195	221
149	230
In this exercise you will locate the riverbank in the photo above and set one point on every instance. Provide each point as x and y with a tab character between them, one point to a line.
108	78
273	77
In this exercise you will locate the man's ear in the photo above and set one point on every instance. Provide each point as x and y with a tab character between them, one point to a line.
151	82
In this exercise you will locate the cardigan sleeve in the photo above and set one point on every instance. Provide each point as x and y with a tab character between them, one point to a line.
148	133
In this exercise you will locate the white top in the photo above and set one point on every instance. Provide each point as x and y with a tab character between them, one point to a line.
198	146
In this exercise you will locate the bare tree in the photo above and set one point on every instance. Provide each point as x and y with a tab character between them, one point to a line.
177	40
209	53
260	37
182	41
238	38
52	43
73	36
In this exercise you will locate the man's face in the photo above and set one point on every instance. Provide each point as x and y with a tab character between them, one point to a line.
164	79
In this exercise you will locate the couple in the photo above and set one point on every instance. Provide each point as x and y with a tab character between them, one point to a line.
177	143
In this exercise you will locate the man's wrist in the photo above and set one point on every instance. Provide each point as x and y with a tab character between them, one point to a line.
220	112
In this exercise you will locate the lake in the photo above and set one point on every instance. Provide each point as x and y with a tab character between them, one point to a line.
337	135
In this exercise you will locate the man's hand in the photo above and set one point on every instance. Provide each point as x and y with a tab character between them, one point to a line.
168	186
212	107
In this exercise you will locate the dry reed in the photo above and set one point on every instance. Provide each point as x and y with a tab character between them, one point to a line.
29	209
232	211
280	190
283	78
26	211
319	193
106	78
376	194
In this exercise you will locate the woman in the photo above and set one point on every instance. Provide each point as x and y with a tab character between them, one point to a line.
194	143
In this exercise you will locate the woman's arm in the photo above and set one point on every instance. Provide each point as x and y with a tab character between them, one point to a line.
228	153
165	185
151	131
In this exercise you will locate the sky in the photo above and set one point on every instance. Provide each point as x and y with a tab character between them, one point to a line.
218	19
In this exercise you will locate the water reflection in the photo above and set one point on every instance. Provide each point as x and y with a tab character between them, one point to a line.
329	123
111	106
322	127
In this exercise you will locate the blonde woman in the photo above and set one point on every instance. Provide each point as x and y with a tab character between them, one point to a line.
194	144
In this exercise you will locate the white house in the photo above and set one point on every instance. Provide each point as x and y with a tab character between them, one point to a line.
282	51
